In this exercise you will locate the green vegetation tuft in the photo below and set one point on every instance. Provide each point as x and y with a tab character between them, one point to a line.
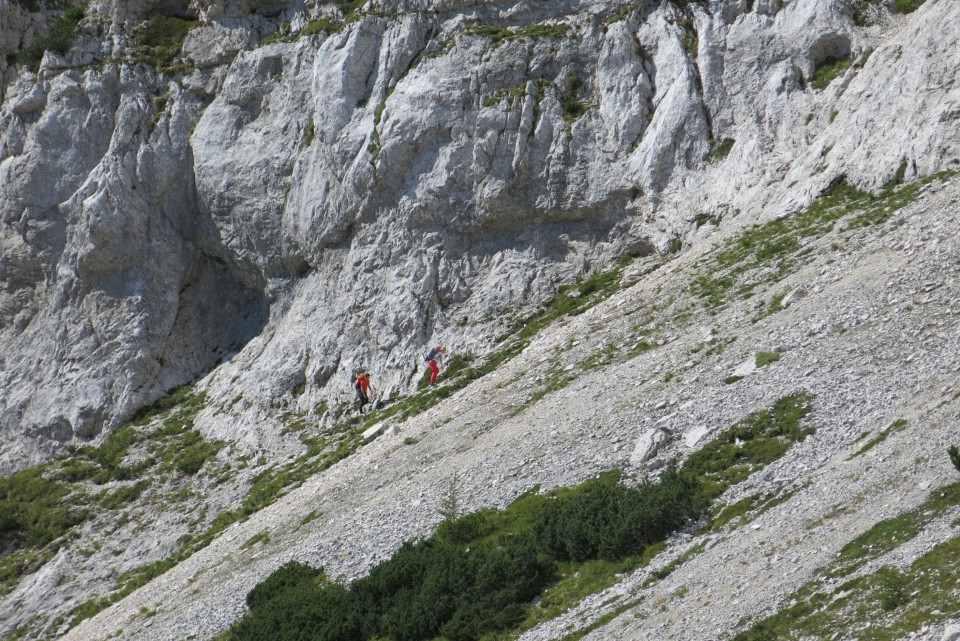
58	39
723	148
572	107
829	70
765	358
897	426
758	439
501	35
323	25
159	41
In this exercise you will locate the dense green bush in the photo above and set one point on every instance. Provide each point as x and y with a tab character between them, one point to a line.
609	521
477	575
296	603
59	38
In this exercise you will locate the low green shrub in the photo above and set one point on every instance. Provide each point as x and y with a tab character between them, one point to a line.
605	520
954	454
159	41
59	38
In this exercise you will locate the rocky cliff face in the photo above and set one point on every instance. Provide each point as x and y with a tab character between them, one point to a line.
309	189
402	176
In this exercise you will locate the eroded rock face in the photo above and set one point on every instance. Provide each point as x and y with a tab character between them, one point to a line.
351	196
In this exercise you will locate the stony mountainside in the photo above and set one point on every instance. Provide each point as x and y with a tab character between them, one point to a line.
295	191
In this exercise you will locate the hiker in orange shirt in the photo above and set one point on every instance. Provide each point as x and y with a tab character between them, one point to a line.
361	385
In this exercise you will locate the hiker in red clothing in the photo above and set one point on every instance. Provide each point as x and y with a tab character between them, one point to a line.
434	359
361	385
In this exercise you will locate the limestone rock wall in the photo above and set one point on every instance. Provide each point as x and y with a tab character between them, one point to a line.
288	213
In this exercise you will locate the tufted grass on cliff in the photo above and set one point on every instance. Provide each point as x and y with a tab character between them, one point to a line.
158	42
829	70
501	35
58	39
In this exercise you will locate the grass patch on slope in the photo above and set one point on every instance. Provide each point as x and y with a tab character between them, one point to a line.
897	426
882	605
750	444
42	507
767	253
